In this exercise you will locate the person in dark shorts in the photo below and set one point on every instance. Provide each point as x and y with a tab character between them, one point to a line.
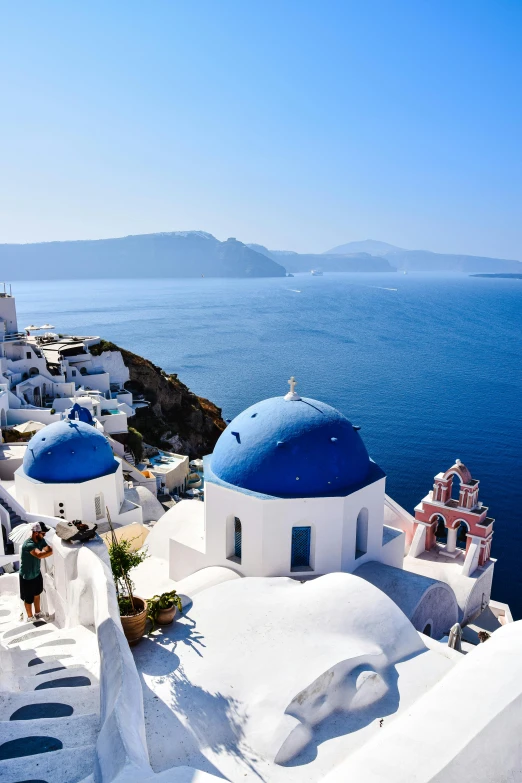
33	550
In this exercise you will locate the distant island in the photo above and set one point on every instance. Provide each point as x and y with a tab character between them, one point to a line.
515	276
426	261
192	254
340	262
179	254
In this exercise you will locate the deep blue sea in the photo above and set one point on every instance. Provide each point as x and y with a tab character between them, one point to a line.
428	365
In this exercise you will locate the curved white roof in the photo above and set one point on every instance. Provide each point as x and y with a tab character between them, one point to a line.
466	728
293	676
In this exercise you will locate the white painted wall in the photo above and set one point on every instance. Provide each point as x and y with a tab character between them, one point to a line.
267	533
43	415
114	422
78	499
112	362
83	593
8	313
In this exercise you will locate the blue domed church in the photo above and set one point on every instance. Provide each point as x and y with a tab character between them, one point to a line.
290	489
69	471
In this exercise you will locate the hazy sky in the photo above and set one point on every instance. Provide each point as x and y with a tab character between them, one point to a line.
300	124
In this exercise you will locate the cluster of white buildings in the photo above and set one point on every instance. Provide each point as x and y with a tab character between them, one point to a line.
321	634
77	465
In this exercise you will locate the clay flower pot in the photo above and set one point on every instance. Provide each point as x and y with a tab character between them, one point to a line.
166	616
134	625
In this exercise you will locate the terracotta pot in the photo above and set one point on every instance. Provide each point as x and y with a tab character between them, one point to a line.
134	625
166	616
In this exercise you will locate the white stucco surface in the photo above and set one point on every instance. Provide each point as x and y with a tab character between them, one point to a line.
472	592
184	515
151	507
273	679
474	713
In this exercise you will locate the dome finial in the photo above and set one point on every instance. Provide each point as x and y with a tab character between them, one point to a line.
292	394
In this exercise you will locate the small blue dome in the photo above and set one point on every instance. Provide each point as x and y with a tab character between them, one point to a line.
291	448
68	452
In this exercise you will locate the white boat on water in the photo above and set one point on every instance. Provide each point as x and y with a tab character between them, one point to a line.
316	273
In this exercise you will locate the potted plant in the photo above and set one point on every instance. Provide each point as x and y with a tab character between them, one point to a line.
133	610
162	608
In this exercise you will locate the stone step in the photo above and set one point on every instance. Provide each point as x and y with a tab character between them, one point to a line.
64	640
17	628
74	731
69	765
80	700
75	677
21	659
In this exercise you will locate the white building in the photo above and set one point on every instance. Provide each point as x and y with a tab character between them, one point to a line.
291	491
282	667
70	472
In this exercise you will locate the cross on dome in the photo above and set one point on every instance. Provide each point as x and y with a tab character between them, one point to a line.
292	394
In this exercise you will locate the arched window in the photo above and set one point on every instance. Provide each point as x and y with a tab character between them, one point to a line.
234	539
301	543
462	535
455	486
237	538
361	536
441	531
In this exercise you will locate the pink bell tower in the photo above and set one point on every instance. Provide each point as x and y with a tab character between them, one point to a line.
439	507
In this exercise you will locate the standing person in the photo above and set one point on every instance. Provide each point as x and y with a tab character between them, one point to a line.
33	550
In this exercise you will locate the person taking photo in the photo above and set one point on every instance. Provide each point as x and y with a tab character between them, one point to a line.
34	549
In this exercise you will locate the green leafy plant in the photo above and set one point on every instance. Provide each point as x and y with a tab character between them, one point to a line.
122	563
159	602
103	345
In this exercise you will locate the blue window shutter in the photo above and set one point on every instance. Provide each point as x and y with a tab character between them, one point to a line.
301	537
237	538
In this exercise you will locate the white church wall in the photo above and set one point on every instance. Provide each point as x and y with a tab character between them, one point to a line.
322	515
77	500
267	524
222	505
371	499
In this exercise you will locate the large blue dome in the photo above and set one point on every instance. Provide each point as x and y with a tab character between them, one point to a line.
291	448
68	452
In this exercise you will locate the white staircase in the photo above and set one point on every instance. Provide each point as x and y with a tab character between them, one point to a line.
129	457
49	711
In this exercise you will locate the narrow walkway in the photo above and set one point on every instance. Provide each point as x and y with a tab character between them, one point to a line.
49	714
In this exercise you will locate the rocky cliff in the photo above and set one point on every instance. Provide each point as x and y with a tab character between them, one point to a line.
176	419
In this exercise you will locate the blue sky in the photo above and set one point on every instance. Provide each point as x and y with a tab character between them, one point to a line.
299	124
